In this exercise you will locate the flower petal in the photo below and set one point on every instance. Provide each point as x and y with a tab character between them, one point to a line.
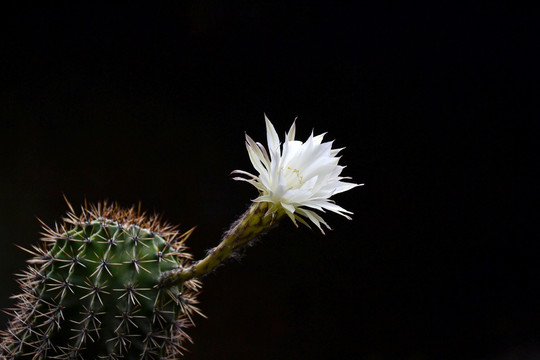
271	136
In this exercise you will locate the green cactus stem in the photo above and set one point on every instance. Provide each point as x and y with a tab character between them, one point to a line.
90	291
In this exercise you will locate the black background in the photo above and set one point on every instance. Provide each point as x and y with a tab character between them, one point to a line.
434	103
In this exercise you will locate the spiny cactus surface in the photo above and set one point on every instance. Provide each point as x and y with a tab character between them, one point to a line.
90	290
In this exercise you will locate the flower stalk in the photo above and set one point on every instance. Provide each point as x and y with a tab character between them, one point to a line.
294	178
253	223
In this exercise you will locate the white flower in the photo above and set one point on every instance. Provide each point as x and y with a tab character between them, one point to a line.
297	177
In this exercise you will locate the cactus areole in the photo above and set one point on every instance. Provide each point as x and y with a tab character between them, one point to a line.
91	290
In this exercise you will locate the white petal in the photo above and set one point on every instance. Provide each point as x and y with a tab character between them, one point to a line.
314	218
271	136
292	131
338	210
255	160
342	187
244	173
288	207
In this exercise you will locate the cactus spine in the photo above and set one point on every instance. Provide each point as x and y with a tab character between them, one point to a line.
91	290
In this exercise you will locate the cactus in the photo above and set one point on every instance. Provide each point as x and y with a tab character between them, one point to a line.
113	283
90	290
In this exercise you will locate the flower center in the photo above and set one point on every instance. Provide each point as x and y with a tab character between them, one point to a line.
292	177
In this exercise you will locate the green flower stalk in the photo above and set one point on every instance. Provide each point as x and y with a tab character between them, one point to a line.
251	224
112	283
